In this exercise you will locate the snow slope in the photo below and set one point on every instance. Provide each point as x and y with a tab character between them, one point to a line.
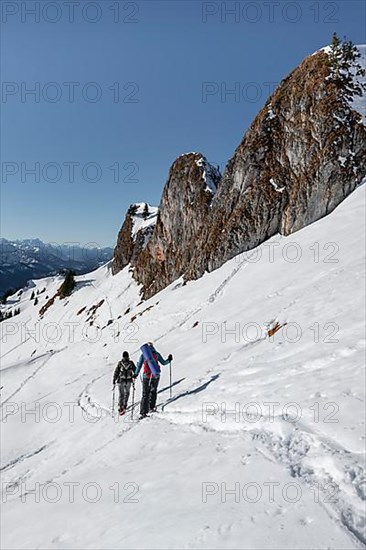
277	421
138	219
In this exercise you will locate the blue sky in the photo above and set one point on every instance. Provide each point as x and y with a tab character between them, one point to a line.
123	88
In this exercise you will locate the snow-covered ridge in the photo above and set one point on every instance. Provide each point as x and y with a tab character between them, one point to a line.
142	221
26	259
325	49
311	453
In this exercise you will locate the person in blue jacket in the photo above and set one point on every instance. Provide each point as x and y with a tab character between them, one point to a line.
150	381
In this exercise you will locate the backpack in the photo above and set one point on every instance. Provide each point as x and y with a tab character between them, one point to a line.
126	370
147	370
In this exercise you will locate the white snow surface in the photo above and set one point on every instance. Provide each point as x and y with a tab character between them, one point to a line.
342	161
294	466
325	49
271	115
139	222
276	186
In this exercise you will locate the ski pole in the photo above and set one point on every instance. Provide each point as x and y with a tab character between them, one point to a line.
113	400
170	376
133	399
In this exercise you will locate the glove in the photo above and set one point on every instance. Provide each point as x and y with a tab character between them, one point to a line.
170	357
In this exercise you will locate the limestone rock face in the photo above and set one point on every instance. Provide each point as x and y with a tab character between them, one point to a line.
125	246
304	153
183	213
134	234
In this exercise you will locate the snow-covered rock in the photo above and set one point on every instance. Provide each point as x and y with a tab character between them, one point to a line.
144	217
134	234
183	214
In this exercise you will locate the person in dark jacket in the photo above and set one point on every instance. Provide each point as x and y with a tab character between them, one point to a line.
150	382
124	377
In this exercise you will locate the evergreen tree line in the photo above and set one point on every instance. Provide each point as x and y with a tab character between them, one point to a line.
344	66
132	210
9	314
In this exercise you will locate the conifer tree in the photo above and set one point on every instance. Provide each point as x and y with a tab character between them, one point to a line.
344	67
68	285
146	211
132	209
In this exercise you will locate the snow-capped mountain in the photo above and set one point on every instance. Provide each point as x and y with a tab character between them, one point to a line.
262	444
22	260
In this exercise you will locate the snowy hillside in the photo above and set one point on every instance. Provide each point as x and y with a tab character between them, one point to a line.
263	442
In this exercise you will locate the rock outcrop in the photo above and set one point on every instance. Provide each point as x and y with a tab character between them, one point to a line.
134	235
183	214
303	154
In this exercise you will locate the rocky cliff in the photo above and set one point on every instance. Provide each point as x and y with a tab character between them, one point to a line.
303	154
134	235
183	213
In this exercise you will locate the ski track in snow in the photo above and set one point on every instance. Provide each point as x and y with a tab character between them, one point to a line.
283	451
21	458
292	453
18	345
212	298
30	377
302	449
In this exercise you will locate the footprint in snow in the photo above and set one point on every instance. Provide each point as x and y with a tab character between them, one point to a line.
305	521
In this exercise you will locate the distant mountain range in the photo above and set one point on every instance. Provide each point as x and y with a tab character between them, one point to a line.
26	259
